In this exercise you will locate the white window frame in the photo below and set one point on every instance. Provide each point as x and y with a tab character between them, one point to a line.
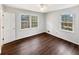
30	25
25	21
72	23
35	21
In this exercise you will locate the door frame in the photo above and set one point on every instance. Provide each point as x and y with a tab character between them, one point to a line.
13	28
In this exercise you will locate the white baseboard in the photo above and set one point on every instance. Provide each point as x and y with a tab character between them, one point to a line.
0	49
64	39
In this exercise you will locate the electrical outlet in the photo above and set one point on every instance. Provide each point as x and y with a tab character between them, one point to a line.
3	39
48	31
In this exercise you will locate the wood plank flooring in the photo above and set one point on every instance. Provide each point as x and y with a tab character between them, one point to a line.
42	44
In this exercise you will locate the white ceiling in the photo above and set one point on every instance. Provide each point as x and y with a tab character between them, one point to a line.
36	7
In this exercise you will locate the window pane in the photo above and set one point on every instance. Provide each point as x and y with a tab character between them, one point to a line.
34	21
25	25
67	21
24	17
25	21
34	24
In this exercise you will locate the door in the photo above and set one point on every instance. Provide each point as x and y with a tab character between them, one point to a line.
9	27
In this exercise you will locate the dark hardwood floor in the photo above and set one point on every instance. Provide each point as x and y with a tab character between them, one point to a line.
42	44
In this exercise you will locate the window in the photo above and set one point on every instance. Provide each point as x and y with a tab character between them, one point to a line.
25	21
34	21
67	22
28	21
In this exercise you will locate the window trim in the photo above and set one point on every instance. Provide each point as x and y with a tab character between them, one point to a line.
25	21
30	25
73	21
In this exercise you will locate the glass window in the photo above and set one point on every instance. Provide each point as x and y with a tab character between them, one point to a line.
67	22
34	21
25	21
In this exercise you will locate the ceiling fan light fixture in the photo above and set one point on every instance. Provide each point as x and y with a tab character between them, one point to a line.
42	7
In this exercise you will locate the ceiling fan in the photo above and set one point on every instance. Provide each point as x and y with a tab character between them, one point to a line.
43	7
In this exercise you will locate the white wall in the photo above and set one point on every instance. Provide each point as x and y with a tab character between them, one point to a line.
22	33
53	24
1	34
49	21
0	29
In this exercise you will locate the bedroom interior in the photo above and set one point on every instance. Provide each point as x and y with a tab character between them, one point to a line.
39	29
